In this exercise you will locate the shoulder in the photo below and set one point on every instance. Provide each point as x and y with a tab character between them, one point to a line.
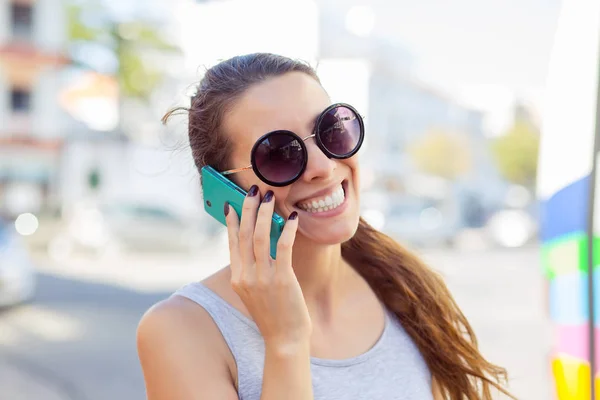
177	322
183	327
178	342
172	316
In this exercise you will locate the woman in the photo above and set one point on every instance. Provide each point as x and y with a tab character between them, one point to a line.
343	312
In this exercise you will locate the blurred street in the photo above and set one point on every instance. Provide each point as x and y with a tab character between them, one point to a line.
76	339
102	209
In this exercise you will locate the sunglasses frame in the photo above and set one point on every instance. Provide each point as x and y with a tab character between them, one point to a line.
259	143
300	140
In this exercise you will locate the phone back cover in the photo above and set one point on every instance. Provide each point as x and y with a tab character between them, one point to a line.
217	190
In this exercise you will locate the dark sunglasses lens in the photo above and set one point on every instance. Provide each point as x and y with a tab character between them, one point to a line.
340	130
279	157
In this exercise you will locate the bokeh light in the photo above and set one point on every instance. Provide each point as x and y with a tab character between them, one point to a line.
26	224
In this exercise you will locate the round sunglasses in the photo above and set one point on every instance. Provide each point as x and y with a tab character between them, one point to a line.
279	158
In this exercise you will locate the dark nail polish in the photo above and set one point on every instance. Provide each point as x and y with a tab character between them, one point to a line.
268	197
226	208
293	216
253	191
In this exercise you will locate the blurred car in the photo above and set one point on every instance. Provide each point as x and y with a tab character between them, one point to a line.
125	227
422	222
17	273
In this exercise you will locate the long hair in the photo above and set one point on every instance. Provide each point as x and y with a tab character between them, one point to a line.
411	290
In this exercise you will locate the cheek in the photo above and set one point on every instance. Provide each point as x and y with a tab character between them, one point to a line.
280	193
352	162
353	165
244	182
281	196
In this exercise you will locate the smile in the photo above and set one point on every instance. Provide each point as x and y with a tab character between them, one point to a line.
324	203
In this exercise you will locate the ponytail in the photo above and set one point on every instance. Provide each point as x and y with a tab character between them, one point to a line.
425	308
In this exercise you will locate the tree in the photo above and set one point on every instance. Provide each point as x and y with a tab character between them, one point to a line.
135	44
442	153
516	153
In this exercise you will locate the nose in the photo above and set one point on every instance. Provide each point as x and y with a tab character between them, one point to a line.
318	166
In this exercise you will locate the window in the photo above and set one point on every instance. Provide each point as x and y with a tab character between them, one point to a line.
22	21
20	100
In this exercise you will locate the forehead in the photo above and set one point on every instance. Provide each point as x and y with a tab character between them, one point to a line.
291	101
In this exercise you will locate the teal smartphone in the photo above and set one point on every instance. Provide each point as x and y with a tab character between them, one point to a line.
217	190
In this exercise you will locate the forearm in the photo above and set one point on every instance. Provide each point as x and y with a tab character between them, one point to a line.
287	373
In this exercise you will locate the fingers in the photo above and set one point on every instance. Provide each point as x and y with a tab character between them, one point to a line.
247	227
233	228
283	263
262	233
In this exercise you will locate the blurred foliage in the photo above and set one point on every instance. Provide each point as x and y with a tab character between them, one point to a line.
442	153
133	44
516	153
94	179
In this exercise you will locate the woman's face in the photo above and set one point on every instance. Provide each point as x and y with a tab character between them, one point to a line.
293	102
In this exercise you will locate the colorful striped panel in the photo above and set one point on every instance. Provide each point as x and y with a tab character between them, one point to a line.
568	254
565	212
572	377
572	340
564	255
568	299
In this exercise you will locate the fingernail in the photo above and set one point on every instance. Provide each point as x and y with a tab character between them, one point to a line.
226	208
268	196
253	191
293	216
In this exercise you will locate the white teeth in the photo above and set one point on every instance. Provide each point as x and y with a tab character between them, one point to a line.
327	203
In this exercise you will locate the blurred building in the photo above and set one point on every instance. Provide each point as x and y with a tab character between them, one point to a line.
32	125
419	207
355	65
400	111
401	107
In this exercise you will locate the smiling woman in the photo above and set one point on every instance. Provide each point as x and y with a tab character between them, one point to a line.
344	312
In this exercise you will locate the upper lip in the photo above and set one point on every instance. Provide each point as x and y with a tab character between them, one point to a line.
322	192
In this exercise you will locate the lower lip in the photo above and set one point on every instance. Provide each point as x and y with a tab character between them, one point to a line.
332	213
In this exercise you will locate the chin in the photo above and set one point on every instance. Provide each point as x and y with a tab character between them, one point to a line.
336	233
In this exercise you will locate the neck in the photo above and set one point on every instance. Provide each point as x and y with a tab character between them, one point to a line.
321	273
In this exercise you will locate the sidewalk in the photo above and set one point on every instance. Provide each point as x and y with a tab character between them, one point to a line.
16	383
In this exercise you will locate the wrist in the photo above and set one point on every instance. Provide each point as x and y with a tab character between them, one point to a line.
288	348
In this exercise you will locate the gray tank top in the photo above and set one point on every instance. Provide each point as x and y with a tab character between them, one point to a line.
393	369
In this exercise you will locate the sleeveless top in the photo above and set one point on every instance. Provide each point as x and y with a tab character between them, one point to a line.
393	369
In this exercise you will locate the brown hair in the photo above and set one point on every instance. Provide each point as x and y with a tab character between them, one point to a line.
413	292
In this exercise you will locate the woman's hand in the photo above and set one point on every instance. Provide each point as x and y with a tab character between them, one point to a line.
268	288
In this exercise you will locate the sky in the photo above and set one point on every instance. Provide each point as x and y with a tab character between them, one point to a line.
484	52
